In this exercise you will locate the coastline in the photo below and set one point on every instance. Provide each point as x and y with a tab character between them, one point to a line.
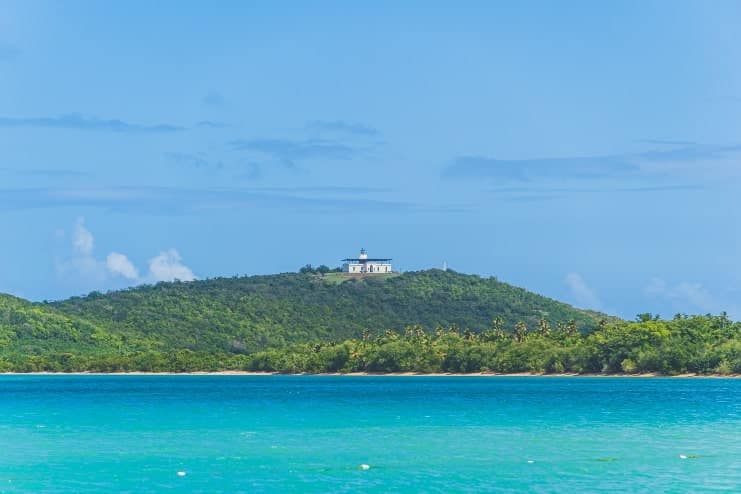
387	374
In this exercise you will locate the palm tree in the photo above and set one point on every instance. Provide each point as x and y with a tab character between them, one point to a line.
571	328
544	327
520	332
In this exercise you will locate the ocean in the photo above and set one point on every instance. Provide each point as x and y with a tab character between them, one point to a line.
288	434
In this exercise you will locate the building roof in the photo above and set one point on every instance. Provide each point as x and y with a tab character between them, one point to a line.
366	260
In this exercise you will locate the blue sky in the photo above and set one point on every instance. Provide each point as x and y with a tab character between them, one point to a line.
588	151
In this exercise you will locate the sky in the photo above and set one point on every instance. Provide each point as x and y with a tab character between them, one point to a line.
587	151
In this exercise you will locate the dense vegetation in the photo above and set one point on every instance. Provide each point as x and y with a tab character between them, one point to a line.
35	329
248	314
698	344
430	321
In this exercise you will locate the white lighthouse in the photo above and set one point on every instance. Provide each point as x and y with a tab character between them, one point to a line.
366	265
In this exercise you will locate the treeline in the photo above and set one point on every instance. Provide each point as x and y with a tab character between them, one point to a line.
685	344
321	269
696	344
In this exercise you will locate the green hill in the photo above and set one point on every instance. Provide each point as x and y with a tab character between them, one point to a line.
428	321
252	313
27	327
30	332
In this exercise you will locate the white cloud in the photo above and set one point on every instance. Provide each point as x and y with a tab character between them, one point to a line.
691	297
168	267
83	241
582	293
84	266
697	295
119	264
656	286
82	263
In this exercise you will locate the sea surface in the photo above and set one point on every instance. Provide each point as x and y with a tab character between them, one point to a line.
289	434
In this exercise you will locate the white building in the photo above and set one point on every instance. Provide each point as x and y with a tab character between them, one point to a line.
365	265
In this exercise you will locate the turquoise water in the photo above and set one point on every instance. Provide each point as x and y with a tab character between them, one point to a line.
310	434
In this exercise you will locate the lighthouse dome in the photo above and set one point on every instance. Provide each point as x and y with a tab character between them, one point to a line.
363	254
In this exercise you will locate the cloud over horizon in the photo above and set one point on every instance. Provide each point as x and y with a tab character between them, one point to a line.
82	262
83	241
469	167
690	294
166	266
289	152
195	160
583	294
171	200
213	98
340	126
76	121
119	264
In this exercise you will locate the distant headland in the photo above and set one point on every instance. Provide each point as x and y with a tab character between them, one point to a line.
361	318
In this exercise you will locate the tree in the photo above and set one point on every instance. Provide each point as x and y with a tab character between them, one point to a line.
571	329
520	333
544	327
497	329
646	317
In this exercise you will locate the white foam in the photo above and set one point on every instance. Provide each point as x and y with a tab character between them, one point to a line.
181	474
364	466
531	461
683	457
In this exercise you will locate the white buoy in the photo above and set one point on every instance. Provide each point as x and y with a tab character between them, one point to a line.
364	466
181	474
683	457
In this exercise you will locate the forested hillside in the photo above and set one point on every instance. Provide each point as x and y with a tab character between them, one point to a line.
33	329
429	321
252	313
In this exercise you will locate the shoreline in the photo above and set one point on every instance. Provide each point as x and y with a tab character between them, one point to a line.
371	374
